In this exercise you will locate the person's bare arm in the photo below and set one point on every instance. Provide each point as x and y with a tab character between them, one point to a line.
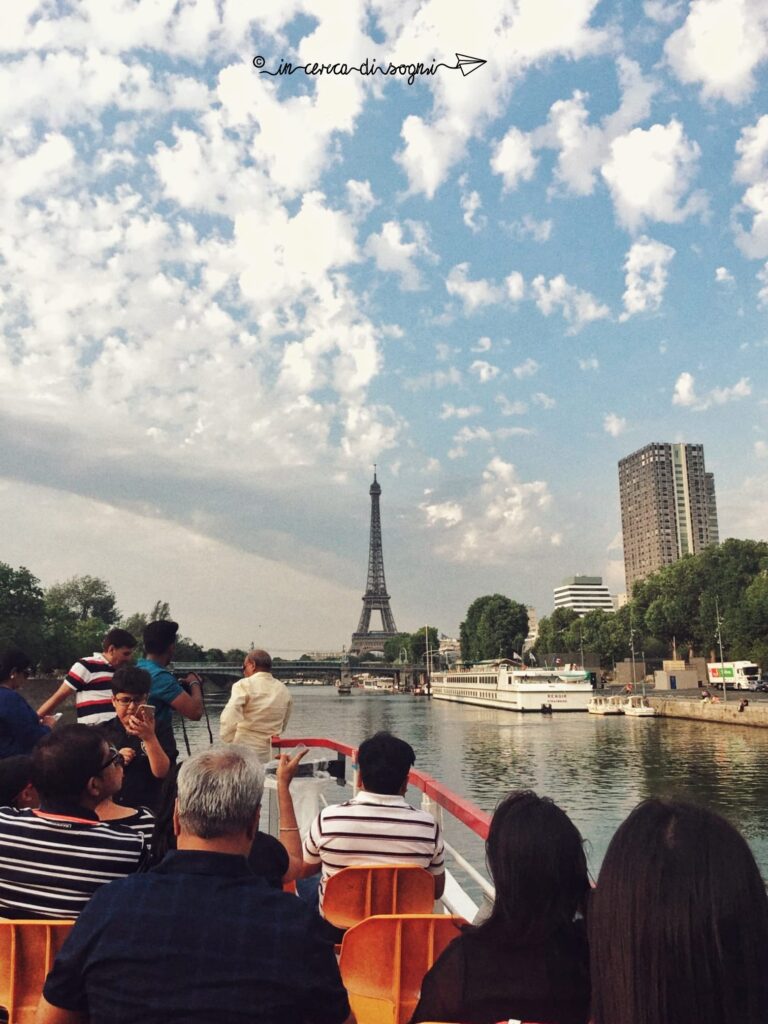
49	1014
190	705
54	700
159	762
290	836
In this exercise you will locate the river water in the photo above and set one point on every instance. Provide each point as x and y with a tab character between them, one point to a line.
595	768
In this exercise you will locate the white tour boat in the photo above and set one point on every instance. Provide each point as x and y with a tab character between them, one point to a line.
601	705
639	707
507	685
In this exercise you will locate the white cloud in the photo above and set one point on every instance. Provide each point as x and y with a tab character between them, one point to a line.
614	424
474	294
720	45
761	450
471	205
446	514
650	173
754	203
723	275
590	363
526	369
449	411
505	516
752	149
529	227
508	408
578	307
513	159
512	40
450	377
664	12
483	344
484	371
393	254
515	285
762	278
360	198
686	396
544	400
646	265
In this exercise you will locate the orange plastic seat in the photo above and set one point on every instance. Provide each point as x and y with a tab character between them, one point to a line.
384	959
27	952
364	890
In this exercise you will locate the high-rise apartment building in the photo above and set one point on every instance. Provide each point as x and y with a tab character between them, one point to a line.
583	594
668	507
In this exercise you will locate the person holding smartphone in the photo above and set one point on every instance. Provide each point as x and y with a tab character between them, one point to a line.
132	733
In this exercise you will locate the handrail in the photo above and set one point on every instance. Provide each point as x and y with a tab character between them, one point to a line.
465	811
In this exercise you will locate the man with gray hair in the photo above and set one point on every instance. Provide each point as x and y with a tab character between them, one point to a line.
199	938
259	706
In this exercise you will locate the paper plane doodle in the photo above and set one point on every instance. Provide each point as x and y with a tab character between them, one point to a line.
468	64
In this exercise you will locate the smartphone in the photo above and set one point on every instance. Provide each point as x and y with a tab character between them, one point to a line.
147	712
57	716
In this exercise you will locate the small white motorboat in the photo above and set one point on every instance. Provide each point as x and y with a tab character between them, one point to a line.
600	705
639	707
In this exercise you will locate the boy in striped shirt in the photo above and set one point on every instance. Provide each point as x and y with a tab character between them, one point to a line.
90	679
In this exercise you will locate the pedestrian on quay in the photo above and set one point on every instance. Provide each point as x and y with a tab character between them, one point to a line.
258	708
90	679
20	726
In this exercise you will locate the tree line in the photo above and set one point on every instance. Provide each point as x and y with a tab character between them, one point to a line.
58	625
676	610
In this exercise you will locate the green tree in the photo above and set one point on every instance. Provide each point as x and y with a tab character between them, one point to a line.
22	611
395	645
235	654
417	647
188	650
495	627
84	597
215	654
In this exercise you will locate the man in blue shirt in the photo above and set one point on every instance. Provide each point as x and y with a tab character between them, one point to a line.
200	938
167	693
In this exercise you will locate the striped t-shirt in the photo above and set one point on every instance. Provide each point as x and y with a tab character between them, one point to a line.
51	864
91	679
373	828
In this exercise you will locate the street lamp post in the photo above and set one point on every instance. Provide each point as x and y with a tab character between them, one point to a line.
720	645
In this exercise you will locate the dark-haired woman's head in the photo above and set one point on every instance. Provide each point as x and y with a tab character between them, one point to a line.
15	666
678	924
536	859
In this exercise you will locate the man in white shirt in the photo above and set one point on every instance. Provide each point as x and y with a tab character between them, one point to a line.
377	826
258	708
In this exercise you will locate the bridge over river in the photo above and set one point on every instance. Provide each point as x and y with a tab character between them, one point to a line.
329	672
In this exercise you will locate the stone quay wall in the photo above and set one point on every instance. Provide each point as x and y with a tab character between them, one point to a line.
756	715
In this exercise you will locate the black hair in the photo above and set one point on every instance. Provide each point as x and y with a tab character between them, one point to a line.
64	761
535	856
384	762
678	923
119	638
131	679
15	774
159	635
13	660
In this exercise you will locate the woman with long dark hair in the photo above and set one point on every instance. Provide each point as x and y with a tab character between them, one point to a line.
20	728
678	924
529	959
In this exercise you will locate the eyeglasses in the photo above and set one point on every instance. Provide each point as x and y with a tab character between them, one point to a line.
124	702
115	758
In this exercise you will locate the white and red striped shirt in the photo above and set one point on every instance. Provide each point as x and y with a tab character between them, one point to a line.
91	679
373	828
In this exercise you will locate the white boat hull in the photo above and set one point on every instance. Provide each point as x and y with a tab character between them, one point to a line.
526	691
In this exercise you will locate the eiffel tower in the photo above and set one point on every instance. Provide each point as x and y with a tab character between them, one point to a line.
376	598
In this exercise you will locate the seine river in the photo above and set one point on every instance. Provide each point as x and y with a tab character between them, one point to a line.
595	768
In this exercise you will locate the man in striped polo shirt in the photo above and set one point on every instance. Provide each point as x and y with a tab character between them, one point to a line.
378	825
90	679
53	858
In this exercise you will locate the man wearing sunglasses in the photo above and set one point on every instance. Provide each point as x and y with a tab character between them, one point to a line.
132	732
53	858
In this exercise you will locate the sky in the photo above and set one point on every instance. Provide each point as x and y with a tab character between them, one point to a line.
226	292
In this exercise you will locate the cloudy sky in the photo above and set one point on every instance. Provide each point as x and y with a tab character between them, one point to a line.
225	294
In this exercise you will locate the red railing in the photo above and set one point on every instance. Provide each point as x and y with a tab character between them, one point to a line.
464	810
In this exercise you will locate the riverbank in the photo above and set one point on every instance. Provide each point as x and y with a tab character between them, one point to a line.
695	709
